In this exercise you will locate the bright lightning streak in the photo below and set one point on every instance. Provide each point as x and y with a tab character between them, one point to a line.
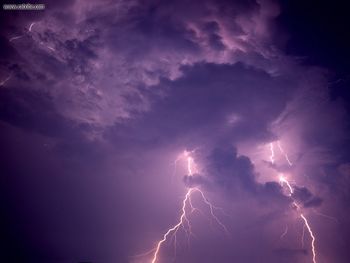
175	228
272	156
31	26
284	153
189	165
185	155
190	162
312	237
184	221
15	37
284	180
306	223
211	207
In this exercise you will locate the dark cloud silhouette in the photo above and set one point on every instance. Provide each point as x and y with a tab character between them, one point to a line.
231	171
33	110
303	195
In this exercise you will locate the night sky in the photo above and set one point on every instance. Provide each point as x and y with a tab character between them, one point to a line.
112	112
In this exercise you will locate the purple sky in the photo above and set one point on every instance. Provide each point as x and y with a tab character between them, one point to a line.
99	98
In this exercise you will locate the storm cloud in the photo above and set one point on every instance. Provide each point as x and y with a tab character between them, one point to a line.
99	101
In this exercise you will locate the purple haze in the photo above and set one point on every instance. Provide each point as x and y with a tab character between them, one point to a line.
98	99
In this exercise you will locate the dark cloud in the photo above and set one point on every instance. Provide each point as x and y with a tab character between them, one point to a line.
33	110
231	171
304	196
113	49
215	100
232	174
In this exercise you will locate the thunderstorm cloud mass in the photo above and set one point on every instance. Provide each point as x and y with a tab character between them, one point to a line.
184	131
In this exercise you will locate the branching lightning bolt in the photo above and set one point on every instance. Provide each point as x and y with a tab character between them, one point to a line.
20	36
174	229
30	31
284	181
184	221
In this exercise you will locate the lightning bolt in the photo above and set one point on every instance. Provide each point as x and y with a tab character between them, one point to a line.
284	153
312	237
284	232
51	48
3	82
31	26
284	181
185	155
184	221
175	228
272	156
326	216
30	31
20	36
15	37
